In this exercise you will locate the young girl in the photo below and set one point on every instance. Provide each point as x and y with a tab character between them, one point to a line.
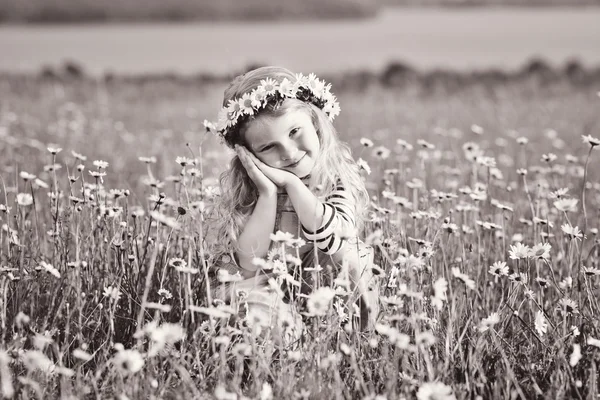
291	173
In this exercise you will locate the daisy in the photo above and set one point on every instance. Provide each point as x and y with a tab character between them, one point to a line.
128	361
366	142
568	305
591	271
233	111
381	152
287	88
519	251
54	150
112	292
332	108
566	205
541	325
363	166
78	156
558	193
425	144
499	268
540	251
435	391
575	355
268	85
592	141
315	85
404	144
439	289
470	283
209	126
522	140
282	237
246	104
100	164
542	282
319	301
572	232
24	199
518	278
491	320
257	97
476	129
176	262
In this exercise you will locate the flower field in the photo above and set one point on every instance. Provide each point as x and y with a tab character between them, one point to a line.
485	216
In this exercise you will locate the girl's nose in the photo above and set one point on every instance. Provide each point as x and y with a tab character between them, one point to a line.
289	152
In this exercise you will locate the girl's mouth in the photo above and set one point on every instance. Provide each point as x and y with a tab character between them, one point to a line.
297	162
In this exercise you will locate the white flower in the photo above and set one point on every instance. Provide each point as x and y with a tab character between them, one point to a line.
257	97
575	355
593	342
287	88
540	251
100	164
362	165
49	268
566	204
439	289
541	325
112	292
319	301
128	361
491	320
470	283
366	142
499	268
268	85
435	391
572	232
519	251
233	110
592	141
246	105
24	199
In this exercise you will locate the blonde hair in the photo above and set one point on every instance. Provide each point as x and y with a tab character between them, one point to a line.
238	193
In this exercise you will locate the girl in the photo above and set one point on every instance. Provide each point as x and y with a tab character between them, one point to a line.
291	173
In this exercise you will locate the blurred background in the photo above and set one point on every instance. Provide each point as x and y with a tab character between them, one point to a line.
209	36
142	75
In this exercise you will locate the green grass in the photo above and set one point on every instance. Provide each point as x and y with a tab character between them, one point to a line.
93	248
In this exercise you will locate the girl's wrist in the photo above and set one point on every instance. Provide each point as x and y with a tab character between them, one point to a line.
268	193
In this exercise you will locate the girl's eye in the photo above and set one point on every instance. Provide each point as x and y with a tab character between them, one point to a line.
266	148
293	132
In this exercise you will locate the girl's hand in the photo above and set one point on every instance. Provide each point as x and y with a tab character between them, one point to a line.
264	185
280	177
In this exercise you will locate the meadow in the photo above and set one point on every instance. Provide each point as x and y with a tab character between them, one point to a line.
485	215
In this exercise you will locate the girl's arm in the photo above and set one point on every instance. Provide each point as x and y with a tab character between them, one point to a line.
327	223
255	238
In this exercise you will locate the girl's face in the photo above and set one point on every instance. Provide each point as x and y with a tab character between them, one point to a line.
289	142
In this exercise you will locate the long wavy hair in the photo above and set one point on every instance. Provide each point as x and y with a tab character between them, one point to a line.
238	194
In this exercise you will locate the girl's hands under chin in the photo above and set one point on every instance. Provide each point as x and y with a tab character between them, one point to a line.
264	185
279	177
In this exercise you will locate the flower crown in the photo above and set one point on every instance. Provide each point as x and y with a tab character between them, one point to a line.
306	88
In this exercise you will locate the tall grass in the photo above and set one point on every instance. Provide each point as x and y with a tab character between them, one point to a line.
104	277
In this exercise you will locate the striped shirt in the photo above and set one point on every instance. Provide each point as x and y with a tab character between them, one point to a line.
338	224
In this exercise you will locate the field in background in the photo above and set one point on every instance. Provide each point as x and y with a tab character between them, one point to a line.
43	11
84	265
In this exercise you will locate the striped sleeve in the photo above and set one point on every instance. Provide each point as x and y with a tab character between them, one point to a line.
338	224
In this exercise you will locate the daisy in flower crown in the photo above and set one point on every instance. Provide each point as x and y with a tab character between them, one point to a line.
290	173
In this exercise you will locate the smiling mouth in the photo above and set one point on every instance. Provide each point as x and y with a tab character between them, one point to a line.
297	162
